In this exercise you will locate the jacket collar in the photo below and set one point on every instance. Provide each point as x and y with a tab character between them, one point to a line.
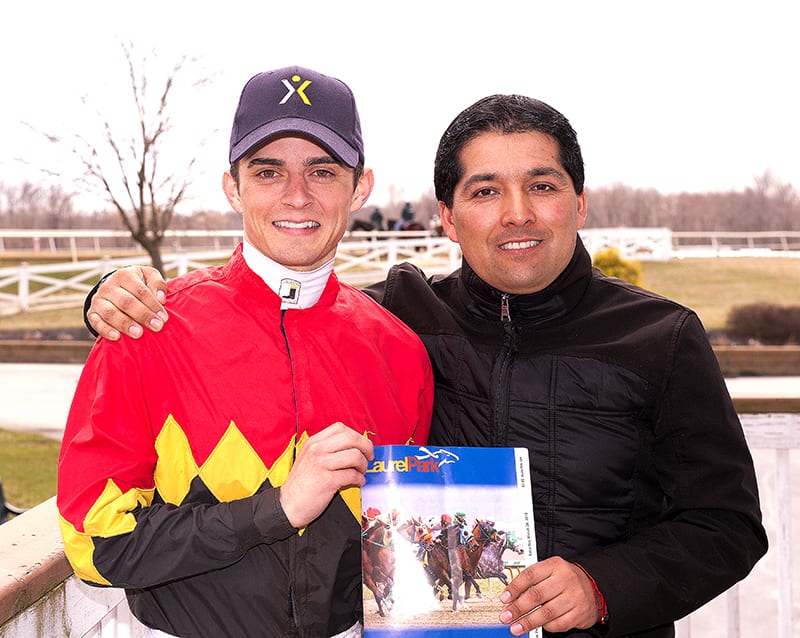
556	300
240	272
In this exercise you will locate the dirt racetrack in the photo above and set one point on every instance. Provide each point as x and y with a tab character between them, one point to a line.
475	611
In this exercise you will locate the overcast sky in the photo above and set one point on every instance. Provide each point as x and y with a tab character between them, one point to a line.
680	96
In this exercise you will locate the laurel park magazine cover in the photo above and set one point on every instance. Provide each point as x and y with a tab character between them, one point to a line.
443	528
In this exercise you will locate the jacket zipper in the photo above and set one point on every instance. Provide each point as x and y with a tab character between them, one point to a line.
499	425
291	592
294	391
505	312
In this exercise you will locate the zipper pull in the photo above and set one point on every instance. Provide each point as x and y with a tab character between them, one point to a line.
505	313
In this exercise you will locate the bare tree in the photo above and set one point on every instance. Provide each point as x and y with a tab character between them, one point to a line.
126	168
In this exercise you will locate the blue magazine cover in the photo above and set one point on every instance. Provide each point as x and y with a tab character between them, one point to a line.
443	530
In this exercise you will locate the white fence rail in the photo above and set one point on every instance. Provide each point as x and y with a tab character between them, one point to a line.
363	256
721	243
28	287
634	243
75	242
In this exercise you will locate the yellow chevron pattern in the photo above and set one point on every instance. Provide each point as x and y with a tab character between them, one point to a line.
233	470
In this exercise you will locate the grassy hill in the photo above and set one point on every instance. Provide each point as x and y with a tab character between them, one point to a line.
712	287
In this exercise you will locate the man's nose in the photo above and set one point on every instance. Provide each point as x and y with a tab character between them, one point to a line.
518	209
297	194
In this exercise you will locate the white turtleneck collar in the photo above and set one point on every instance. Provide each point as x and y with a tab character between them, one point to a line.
296	289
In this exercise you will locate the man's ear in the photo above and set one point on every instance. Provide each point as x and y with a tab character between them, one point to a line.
363	190
231	190
582	210
448	223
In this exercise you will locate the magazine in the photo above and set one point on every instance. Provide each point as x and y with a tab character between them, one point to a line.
443	530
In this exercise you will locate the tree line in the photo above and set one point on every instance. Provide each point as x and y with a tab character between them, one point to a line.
767	205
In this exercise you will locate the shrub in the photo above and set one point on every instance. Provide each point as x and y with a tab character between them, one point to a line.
766	323
610	263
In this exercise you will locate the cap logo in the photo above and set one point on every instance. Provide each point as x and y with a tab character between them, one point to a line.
291	90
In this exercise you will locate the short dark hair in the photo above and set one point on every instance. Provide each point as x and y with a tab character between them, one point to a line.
503	114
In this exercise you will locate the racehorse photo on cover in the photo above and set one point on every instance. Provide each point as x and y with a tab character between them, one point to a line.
443	531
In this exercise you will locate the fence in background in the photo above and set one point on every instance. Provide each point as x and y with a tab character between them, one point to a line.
77	243
633	243
360	262
363	256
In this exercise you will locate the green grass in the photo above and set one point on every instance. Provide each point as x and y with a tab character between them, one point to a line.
712	287
28	467
44	319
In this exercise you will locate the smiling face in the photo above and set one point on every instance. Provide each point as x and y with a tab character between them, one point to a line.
295	199
515	212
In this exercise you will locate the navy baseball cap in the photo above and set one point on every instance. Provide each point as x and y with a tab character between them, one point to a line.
302	101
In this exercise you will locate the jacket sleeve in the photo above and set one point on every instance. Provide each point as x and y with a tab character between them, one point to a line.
381	293
376	291
116	531
87	303
424	404
707	534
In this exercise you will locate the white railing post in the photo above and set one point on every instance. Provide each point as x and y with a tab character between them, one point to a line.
734	620
182	264
24	286
391	252
455	256
784	534
106	265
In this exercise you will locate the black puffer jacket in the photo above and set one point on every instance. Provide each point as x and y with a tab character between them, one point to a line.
640	469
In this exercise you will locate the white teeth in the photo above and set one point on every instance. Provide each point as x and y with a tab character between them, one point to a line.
517	245
287	224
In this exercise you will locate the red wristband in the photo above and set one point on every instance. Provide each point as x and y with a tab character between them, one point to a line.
599	599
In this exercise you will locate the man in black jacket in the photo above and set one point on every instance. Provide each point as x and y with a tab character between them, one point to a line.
645	496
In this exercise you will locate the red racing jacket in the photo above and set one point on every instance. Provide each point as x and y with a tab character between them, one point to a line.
176	444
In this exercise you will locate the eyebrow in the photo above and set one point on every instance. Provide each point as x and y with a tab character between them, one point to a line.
539	171
313	161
